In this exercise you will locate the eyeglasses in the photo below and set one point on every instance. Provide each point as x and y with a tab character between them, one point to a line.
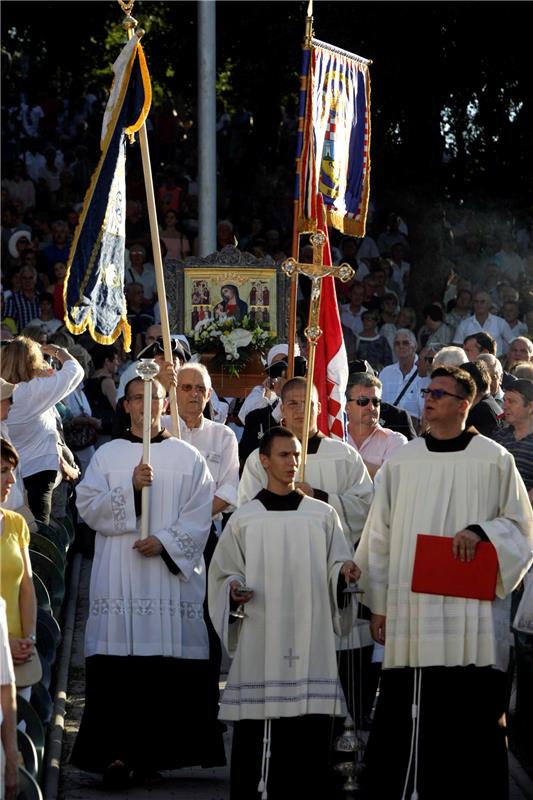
438	394
188	387
428	359
364	401
402	342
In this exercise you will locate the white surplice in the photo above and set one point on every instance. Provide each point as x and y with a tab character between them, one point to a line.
338	469
441	493
218	445
137	606
284	662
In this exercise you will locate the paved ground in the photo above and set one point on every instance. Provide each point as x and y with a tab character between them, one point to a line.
189	784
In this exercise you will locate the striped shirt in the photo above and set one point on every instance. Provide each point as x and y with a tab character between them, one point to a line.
22	310
521	449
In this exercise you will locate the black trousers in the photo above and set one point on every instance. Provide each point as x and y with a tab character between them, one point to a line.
39	488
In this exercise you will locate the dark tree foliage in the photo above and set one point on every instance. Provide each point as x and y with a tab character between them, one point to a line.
460	65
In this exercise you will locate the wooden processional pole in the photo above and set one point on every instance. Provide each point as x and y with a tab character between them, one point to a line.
295	230
315	271
130	24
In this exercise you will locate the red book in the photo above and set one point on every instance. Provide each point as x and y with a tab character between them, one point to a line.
436	571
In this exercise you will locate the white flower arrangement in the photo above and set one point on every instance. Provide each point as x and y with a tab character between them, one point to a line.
232	339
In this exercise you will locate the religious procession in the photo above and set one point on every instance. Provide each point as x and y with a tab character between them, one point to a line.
266	465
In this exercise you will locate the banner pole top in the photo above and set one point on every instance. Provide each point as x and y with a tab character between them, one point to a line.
308	26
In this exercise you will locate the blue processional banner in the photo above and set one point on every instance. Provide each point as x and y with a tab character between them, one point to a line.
94	284
333	139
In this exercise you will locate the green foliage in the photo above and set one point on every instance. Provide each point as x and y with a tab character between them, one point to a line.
433	64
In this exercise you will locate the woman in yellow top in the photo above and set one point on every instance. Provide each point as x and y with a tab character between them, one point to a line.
16	583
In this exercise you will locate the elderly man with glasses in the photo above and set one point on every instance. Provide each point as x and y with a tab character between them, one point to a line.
217	443
363	404
399	380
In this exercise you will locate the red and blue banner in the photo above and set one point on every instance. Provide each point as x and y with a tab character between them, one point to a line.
94	284
333	148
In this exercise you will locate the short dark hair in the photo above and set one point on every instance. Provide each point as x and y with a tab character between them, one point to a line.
365	379
479	372
484	340
46	297
101	352
434	312
293	383
8	453
277	432
463	380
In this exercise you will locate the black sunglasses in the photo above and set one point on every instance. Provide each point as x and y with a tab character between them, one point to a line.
438	394
364	401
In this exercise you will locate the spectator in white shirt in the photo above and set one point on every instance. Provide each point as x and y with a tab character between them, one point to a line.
483	320
508	260
46	316
32	420
399	380
510	313
351	314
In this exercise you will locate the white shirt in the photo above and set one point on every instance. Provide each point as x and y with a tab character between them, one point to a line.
351	320
519	329
32	418
7	672
51	325
393	381
147	280
496	326
218	445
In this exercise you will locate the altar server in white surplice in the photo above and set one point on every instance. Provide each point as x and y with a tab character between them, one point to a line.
290	553
336	474
439	725
146	641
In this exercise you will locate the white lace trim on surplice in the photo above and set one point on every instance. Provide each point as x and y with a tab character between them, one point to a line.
145	606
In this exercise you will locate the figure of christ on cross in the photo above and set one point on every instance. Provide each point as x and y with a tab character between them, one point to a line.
316	271
283	683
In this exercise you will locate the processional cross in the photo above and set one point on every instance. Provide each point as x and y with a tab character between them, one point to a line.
316	272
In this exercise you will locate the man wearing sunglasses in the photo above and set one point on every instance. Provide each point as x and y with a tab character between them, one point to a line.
445	657
363	405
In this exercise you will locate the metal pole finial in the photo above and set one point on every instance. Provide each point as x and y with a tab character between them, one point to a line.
126	5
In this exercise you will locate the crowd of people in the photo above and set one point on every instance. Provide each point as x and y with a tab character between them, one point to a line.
434	444
241	551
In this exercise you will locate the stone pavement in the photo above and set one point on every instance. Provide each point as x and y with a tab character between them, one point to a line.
186	784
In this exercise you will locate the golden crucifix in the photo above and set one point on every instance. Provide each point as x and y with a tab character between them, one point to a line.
316	272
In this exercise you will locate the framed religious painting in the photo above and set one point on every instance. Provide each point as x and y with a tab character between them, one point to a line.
228	284
219	293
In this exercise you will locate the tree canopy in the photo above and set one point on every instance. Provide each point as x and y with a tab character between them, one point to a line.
451	81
